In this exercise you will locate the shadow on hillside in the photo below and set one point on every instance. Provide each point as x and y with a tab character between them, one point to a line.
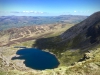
94	32
37	59
45	43
50	43
53	44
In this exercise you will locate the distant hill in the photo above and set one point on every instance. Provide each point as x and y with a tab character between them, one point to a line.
7	22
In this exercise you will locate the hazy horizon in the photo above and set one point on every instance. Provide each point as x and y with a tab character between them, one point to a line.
43	15
48	7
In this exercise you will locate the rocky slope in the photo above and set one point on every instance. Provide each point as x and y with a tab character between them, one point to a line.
84	34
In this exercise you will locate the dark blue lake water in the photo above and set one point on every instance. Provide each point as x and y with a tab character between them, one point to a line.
37	59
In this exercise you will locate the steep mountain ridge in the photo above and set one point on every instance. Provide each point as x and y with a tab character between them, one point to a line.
84	33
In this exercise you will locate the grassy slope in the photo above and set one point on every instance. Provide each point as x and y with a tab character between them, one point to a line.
14	35
66	58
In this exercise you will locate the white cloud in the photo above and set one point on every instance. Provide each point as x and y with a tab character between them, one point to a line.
75	11
25	11
35	12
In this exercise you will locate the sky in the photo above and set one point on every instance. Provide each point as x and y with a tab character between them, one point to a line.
48	7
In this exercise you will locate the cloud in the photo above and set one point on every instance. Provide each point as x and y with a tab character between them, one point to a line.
24	12
35	12
75	11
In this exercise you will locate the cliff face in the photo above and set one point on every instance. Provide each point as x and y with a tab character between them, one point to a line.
85	33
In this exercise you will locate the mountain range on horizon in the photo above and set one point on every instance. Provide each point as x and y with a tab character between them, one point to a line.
8	22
